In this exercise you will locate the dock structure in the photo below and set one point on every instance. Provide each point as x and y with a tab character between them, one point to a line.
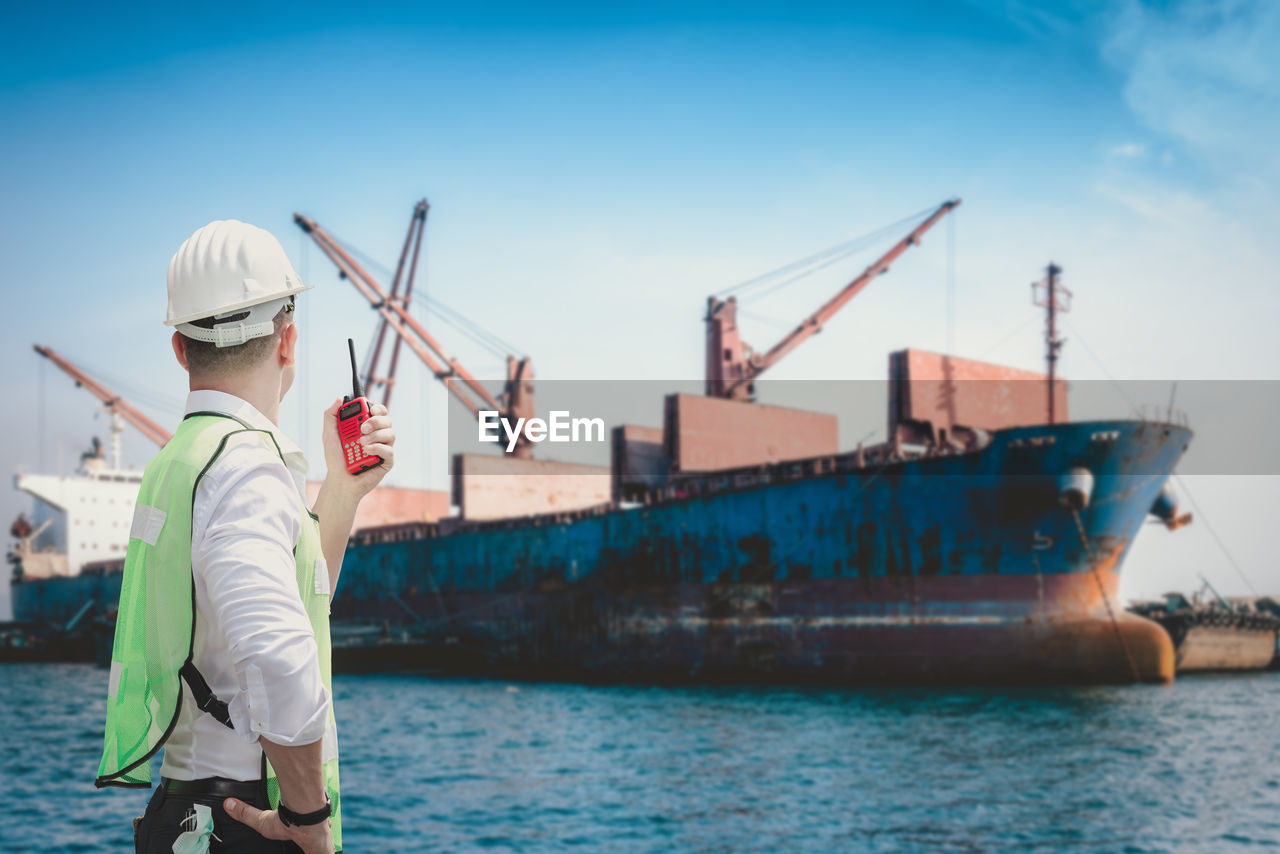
1218	634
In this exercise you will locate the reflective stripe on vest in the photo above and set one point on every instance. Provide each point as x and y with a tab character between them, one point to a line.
155	624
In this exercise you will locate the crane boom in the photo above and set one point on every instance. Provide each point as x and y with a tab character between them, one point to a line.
112	401
417	226
446	368
517	400
732	368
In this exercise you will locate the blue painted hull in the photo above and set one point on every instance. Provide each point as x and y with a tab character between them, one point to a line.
57	600
964	567
956	567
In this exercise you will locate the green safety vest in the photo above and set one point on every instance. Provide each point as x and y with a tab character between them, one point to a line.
155	626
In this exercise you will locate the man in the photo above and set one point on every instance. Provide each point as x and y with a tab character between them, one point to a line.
222	641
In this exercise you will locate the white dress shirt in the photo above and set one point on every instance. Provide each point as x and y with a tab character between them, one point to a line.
253	641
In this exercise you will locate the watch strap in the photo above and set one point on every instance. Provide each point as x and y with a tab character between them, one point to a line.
289	818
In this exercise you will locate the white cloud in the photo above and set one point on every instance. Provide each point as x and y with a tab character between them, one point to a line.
1131	150
1203	77
1207	75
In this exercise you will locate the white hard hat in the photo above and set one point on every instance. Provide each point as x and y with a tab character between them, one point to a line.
224	268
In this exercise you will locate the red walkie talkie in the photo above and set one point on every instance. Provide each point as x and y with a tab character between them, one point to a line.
353	414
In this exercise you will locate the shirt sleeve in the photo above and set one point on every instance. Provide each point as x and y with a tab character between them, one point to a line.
246	521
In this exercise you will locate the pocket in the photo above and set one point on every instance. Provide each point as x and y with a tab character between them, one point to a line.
144	824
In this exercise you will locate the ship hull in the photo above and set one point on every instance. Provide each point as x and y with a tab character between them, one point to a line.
57	600
957	568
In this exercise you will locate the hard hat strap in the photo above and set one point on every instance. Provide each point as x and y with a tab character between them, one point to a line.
256	321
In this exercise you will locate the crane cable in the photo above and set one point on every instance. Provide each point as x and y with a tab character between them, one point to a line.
951	283
1007	338
1098	361
303	434
477	333
1213	532
819	260
44	433
471	329
1182	483
130	393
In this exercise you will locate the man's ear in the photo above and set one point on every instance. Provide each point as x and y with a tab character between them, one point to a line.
289	344
180	350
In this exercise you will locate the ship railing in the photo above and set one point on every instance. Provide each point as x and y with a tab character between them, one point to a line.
1156	414
405	532
678	486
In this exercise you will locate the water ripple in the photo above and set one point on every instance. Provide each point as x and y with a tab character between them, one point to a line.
459	765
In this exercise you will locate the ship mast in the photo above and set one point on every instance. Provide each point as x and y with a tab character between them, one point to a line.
1053	297
117	427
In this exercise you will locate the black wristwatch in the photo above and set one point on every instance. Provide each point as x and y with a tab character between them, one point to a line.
289	818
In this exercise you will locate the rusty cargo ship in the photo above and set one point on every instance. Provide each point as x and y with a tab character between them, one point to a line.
966	566
982	541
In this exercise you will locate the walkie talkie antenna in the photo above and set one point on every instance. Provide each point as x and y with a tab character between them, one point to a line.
355	376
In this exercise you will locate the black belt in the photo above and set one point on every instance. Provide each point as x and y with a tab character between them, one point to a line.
220	787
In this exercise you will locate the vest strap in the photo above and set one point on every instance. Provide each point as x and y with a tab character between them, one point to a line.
206	700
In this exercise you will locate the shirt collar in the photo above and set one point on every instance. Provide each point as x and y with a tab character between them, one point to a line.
209	400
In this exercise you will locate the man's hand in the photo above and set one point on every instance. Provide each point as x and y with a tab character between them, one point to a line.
315	839
378	438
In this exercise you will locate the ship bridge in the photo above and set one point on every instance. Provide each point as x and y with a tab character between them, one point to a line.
77	519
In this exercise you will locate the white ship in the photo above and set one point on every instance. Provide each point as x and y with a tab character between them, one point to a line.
77	519
69	554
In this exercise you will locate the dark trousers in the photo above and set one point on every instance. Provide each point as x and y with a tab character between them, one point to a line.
163	822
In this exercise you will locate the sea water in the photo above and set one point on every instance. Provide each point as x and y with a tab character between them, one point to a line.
470	765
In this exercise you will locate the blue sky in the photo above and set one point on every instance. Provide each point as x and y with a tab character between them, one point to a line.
595	172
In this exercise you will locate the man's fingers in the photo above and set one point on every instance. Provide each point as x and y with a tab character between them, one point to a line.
260	820
242	812
378	409
386	436
377	422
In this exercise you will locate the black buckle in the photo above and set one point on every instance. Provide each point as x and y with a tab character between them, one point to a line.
217	709
206	700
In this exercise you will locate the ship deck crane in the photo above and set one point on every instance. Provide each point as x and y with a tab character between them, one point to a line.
417	226
516	400
112	401
731	365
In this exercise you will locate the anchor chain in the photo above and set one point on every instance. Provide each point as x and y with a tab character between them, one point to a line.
1106	600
